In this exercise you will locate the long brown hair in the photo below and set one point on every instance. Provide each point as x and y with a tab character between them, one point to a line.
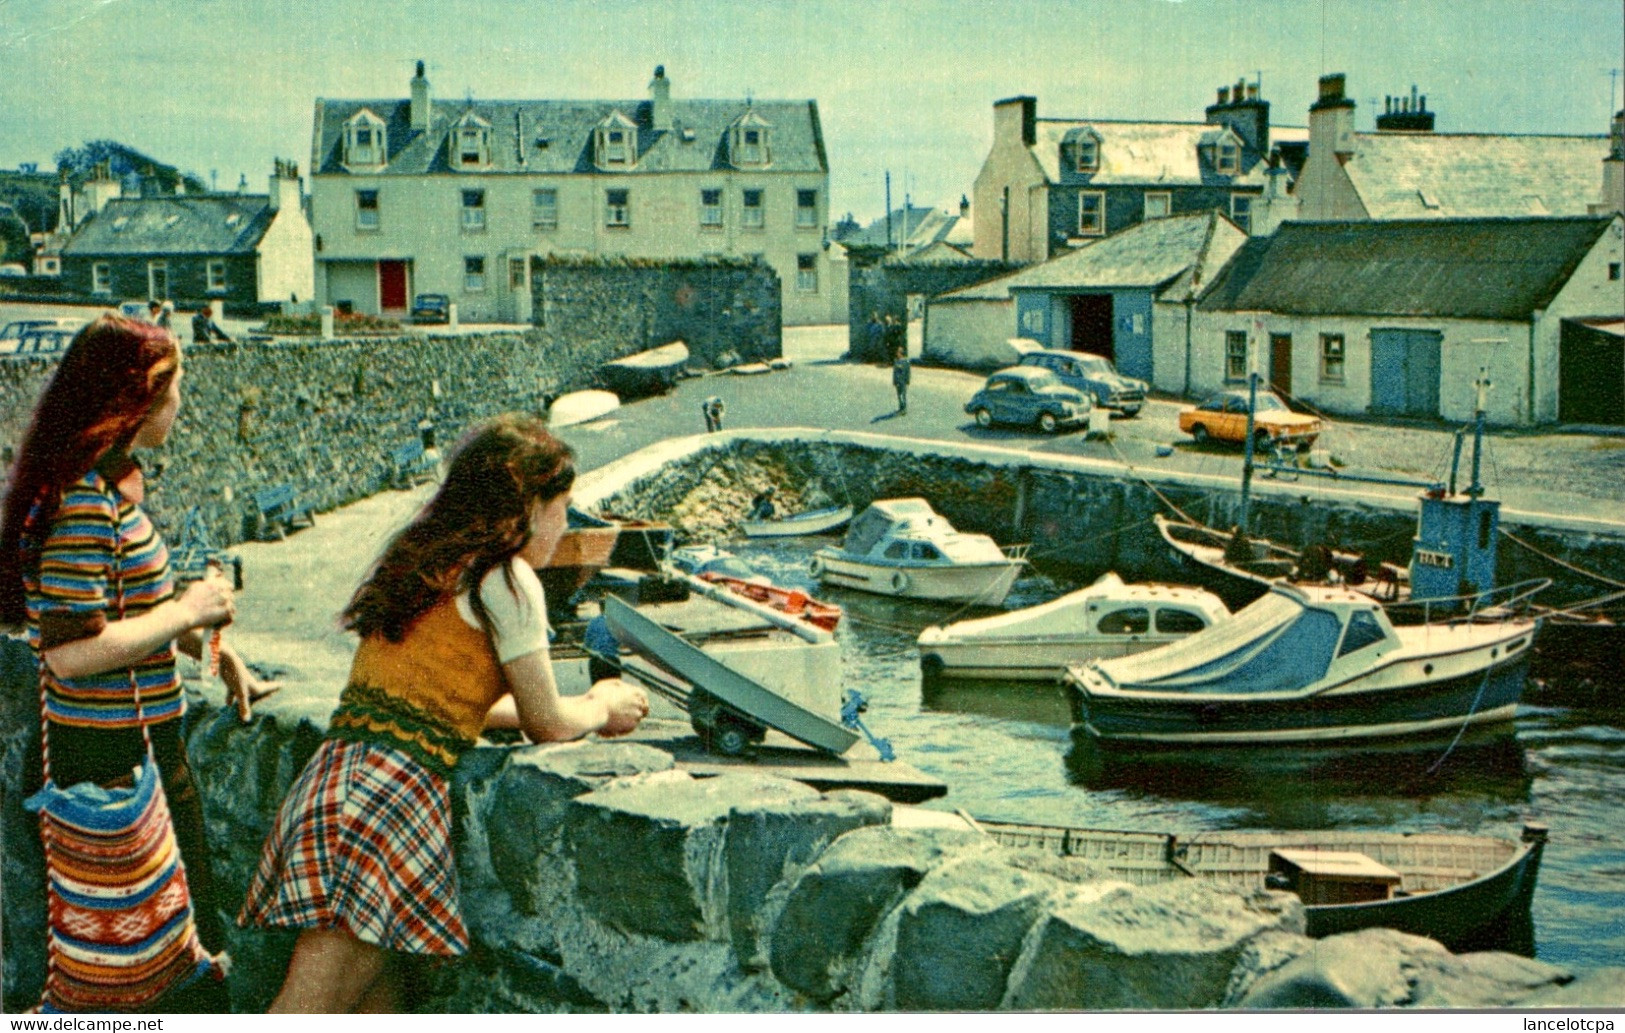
107	382
478	519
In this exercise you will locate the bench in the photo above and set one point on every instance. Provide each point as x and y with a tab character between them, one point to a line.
277	508
411	464
193	555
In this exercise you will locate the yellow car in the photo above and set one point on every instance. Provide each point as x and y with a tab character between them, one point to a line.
1223	417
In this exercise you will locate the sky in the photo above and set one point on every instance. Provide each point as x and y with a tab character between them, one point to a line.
223	87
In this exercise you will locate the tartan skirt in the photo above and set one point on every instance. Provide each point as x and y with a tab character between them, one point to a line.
363	844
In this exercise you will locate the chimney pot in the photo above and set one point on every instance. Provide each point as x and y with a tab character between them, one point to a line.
1252	91
1224	95
1331	87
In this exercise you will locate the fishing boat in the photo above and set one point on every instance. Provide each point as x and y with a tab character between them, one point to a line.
721	567
1309	663
581	407
813	521
1468	892
1106	619
646	373
902	547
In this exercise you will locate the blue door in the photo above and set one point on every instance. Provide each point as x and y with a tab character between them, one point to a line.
1405	372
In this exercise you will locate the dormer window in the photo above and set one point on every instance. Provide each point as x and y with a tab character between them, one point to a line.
364	140
749	142
471	142
1083	148
1229	160
615	142
1223	151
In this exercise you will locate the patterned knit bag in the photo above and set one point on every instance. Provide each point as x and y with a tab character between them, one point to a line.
121	932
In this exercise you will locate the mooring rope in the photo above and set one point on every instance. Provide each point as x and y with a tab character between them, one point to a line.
1562	562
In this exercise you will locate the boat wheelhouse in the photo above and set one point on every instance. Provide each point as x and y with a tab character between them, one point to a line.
902	547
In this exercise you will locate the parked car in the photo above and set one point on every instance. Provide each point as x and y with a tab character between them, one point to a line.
45	340
1094	375
135	308
13	269
11	335
431	308
1030	396
1222	416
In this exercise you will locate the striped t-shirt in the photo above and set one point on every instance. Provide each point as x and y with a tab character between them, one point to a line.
75	594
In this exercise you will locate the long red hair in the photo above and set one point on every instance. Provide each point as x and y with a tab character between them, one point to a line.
103	389
478	519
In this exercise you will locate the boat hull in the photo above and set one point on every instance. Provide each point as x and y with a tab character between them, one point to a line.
818	521
647	373
985	584
1198	552
1477	697
1043	660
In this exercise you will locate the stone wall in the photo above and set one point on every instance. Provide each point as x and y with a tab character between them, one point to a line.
716	307
885	289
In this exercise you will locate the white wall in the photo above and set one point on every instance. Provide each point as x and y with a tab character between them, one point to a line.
353	281
420	219
970	334
286	258
1589	292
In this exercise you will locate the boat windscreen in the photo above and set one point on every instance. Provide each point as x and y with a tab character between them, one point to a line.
1270	646
865	531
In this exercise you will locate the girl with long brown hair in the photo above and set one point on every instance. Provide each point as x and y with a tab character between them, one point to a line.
453	633
83	568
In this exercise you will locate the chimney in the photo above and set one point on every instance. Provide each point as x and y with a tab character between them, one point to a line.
420	102
285	186
65	222
1331	119
1613	169
1013	116
660	100
1405	114
1246	115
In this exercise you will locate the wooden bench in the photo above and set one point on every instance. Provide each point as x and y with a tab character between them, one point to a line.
411	464
277	508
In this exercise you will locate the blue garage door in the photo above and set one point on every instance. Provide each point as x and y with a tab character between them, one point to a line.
1405	372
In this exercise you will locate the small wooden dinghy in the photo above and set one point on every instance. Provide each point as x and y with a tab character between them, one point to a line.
581	407
813	521
648	372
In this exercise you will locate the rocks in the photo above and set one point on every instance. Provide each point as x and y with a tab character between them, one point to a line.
1381	968
1170	945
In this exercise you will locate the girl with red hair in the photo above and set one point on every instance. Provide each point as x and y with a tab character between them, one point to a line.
454	634
83	568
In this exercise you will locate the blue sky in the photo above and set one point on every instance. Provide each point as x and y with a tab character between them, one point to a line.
904	85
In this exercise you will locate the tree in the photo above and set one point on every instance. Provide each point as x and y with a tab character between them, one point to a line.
14	243
122	160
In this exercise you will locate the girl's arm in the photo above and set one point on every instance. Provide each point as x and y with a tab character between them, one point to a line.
611	707
124	642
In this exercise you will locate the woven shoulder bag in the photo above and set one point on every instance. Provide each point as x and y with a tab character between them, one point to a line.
121	933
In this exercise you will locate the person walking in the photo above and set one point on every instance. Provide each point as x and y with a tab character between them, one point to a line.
876	333
83	568
901	372
454	639
713	409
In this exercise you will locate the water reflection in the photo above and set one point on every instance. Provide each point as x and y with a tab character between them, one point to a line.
1036	702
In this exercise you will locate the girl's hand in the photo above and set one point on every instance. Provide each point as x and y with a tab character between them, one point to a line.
627	706
243	689
208	603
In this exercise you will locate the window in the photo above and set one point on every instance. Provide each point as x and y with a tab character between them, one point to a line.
472	148
474	273
473	209
1091	213
101	278
754	216
926	551
1179	622
364	139
750	151
1235	355
215	275
897	551
807	209
544	209
806	272
517	273
1126	622
1229	157
1613	270
366	209
617	208
711	208
1363	630
1331	358
1158	204
1241	211
1088	149
158	279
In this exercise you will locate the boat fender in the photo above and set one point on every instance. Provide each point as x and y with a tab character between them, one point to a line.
899	581
816	568
931	665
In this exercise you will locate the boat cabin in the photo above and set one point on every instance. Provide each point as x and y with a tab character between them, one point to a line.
906	532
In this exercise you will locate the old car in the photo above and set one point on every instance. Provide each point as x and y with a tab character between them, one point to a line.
44	340
1222	416
1094	375
12	334
431	308
1029	396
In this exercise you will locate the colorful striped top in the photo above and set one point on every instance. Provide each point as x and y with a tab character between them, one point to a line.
73	595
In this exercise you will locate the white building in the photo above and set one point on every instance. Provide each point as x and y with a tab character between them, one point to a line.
414	195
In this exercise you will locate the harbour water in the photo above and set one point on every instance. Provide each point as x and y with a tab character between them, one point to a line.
1006	751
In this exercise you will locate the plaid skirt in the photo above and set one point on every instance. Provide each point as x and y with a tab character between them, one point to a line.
363	844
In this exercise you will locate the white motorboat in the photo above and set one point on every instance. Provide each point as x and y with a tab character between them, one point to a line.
902	547
1107	619
814	521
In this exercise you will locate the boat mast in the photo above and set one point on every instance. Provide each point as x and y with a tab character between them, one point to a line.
1483	384
1247	452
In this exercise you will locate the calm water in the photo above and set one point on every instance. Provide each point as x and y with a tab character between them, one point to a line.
1006	752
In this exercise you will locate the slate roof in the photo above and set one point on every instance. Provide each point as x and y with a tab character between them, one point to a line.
1146	153
1500	269
189	224
796	142
1467	175
905	224
1148	254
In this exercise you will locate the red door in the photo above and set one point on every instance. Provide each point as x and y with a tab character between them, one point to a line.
391	285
